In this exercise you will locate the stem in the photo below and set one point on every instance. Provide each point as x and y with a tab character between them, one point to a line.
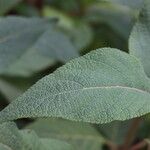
131	133
141	144
138	146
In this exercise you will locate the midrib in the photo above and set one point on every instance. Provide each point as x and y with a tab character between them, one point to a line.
104	87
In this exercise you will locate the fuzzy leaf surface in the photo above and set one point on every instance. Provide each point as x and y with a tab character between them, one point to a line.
102	86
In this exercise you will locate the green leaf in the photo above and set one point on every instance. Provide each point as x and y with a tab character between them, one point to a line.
27	139
6	5
81	135
10	136
111	14
27	66
81	35
64	20
79	32
52	144
4	147
131	3
140	38
100	87
33	142
118	130
41	42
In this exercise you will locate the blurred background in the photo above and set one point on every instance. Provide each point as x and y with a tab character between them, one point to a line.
80	26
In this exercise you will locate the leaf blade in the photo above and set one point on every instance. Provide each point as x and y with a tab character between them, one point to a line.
140	37
81	136
99	87
40	42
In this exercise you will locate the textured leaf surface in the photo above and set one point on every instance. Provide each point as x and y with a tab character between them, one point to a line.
27	139
100	87
21	40
139	43
81	135
10	136
5	5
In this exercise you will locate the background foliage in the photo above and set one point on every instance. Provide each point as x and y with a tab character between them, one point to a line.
38	36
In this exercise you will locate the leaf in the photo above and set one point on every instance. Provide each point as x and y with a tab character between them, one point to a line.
51	144
80	33
100	87
140	38
4	147
10	136
118	130
111	14
27	66
33	142
81	135
27	139
6	5
41	41
64	20
131	3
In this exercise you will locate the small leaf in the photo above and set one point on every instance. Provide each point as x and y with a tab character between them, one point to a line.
140	38
100	87
81	135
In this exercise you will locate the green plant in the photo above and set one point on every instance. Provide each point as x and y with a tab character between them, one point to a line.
106	85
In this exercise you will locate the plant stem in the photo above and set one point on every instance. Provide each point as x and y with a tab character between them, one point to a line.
141	144
131	133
